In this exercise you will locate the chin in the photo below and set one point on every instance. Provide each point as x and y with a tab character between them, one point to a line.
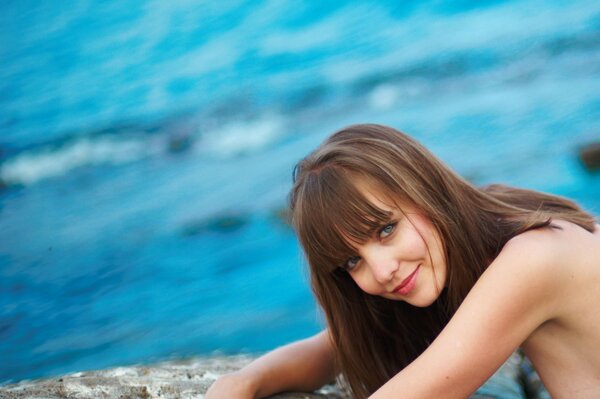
423	301
420	304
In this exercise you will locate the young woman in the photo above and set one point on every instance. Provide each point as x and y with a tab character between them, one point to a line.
429	283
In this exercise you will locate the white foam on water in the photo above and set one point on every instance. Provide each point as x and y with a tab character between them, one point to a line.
383	96
234	139
33	166
242	137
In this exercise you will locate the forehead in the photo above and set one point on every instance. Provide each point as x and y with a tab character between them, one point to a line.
382	199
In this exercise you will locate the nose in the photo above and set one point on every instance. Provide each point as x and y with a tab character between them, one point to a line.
381	262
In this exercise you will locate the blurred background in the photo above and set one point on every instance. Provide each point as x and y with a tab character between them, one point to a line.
147	146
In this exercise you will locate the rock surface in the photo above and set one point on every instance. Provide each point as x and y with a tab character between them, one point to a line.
590	156
181	379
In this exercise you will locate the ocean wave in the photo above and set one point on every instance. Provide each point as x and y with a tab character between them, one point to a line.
154	70
239	138
62	156
29	167
298	74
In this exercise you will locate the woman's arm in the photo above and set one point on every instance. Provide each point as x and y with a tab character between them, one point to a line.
304	365
516	294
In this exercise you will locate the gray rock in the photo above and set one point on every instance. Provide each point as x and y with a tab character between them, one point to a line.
187	379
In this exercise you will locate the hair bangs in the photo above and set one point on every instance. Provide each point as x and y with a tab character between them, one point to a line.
336	217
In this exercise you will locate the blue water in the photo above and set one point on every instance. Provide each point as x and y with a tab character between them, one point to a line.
146	150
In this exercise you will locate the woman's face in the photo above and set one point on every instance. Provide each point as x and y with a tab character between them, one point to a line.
404	261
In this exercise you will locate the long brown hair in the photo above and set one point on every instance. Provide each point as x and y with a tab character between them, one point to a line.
374	338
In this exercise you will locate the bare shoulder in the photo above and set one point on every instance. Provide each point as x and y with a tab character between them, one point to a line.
561	242
536	266
558	258
535	250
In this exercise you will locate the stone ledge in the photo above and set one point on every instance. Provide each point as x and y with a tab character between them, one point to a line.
186	379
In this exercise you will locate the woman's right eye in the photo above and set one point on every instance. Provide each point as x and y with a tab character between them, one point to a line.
351	263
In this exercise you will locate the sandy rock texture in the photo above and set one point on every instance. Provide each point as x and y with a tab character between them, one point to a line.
179	379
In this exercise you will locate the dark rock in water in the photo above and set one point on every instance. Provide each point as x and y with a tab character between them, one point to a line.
216	224
183	380
590	156
179	143
305	98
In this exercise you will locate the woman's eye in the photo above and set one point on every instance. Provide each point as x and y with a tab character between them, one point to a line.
387	230
351	263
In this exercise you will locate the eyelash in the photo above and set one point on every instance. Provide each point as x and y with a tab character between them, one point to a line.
381	231
346	266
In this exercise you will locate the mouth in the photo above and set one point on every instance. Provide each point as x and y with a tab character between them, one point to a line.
408	284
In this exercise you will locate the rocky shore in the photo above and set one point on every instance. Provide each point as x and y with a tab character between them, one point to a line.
170	380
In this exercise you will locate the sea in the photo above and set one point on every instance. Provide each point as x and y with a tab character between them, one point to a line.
147	149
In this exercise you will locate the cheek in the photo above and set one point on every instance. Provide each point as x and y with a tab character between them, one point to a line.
442	272
421	242
412	247
365	283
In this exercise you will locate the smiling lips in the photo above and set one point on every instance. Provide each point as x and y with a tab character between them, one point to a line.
408	283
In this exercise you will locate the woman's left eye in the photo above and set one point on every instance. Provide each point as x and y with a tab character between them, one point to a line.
387	230
351	263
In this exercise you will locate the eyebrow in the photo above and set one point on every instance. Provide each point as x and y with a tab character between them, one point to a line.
393	218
